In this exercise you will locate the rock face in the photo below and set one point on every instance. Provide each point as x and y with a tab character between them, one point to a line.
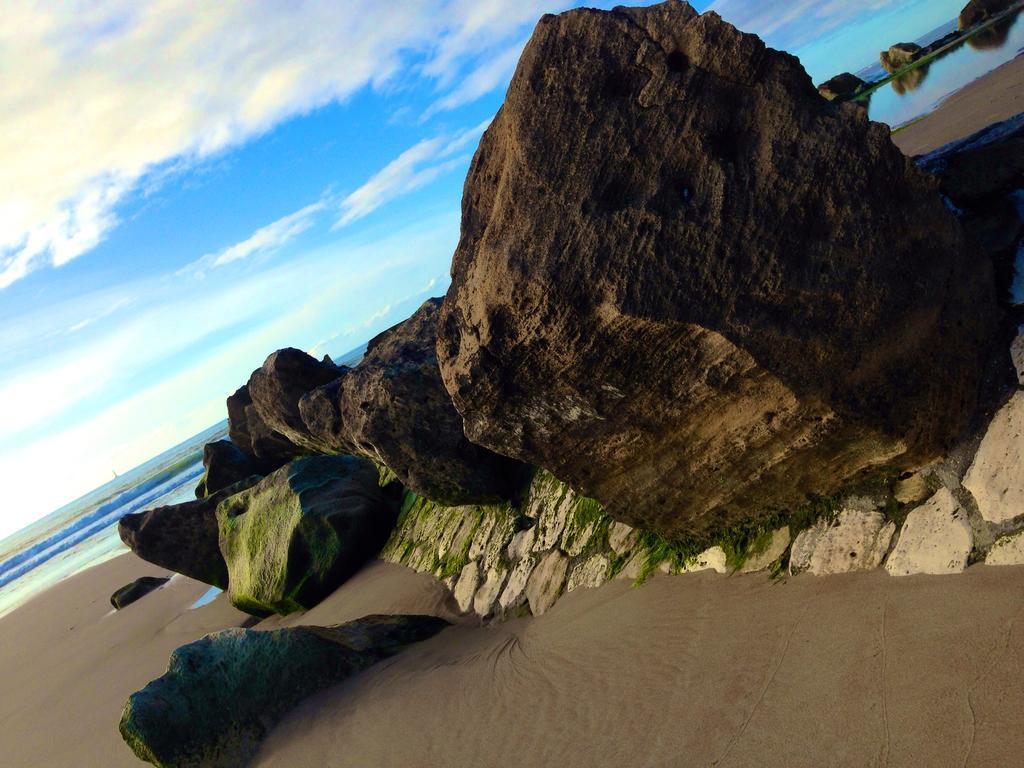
253	435
774	548
936	538
857	540
840	86
977	11
1007	550
182	537
393	408
222	694
981	175
141	587
277	386
899	56
996	477
692	288
225	464
295	536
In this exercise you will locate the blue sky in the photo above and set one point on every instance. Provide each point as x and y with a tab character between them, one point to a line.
187	186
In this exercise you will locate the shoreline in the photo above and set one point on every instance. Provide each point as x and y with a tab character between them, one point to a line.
726	668
992	98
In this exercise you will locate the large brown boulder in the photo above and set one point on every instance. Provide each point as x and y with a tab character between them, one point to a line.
224	464
254	436
977	11
695	290
277	386
841	86
393	408
899	56
182	537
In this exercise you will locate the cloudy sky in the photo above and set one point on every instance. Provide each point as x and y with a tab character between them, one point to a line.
186	186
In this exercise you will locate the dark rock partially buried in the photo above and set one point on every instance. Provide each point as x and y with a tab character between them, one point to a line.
225	464
294	537
139	588
394	409
695	290
222	694
182	537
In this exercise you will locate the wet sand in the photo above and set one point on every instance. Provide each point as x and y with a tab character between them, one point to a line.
694	670
996	96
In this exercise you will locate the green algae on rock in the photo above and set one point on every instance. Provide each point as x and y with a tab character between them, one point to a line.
222	694
303	530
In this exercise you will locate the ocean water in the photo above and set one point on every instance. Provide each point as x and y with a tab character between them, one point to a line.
920	91
84	532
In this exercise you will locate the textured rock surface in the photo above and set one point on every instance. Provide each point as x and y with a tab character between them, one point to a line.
254	436
712	559
277	386
546	582
1017	357
295	536
1008	550
141	587
911	489
899	56
393	408
224	464
936	538
222	694
840	86
692	288
182	537
977	11
589	573
858	539
996	477
773	550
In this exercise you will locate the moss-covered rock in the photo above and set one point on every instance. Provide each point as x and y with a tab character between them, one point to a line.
293	538
222	693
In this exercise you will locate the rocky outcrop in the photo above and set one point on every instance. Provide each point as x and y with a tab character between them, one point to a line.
936	538
1007	550
996	477
299	533
898	56
977	11
253	435
182	537
394	409
1017	357
139	588
774	548
857	540
277	386
224	464
222	694
693	289
841	86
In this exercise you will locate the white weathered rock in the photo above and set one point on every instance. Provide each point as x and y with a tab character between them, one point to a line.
466	586
487	594
490	547
912	489
554	515
1008	550
621	538
482	537
1017	356
514	594
936	538
521	544
856	540
546	582
996	478
576	537
591	573
633	566
760	561
712	559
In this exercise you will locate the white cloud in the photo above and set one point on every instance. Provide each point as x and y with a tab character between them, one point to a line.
264	240
480	81
414	168
100	97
